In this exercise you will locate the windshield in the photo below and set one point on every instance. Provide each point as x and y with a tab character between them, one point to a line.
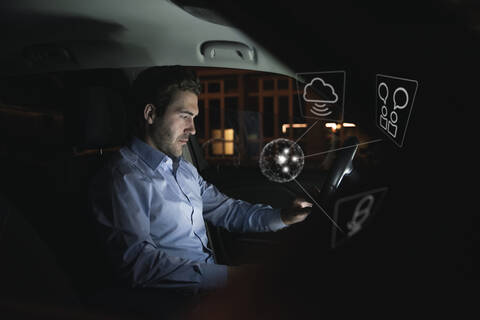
242	111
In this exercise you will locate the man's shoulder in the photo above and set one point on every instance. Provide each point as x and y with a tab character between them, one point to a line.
128	162
124	163
122	167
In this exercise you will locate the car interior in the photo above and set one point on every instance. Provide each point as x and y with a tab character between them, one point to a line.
65	77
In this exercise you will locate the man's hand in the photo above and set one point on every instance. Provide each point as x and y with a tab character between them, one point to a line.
297	212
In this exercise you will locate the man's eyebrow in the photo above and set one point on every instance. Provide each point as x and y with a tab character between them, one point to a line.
187	112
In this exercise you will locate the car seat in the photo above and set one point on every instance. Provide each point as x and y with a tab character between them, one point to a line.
97	128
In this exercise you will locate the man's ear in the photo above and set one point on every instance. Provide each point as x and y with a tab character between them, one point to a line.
149	113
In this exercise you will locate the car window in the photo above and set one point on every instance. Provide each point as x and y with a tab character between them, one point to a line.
34	108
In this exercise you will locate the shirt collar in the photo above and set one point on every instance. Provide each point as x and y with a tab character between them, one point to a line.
153	157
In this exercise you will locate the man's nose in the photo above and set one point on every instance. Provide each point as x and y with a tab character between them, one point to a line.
190	128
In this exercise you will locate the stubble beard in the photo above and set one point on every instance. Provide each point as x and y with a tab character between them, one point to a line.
165	140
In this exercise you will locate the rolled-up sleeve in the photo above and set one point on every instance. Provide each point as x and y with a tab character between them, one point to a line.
237	215
121	204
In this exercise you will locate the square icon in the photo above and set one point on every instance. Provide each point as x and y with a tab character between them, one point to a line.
321	95
394	103
353	213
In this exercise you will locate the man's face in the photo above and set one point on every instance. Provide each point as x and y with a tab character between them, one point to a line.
170	132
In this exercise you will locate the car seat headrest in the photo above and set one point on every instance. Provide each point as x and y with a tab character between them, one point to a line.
97	119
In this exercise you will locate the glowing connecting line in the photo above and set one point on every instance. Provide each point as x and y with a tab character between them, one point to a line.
313	125
319	206
333	150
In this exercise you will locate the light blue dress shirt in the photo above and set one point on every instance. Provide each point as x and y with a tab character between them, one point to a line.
151	213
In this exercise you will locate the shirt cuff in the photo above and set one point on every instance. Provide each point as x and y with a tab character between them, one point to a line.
275	222
213	275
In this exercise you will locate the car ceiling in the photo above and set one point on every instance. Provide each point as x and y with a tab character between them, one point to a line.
69	34
334	34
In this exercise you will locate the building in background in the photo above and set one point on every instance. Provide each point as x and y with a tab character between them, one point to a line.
241	111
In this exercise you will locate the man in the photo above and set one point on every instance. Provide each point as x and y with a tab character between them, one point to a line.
151	204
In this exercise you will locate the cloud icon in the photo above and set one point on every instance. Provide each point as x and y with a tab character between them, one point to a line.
320	86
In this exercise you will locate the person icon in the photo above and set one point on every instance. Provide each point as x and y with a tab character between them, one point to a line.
391	125
361	213
383	96
383	118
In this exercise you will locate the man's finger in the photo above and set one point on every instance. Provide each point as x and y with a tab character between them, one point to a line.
306	204
302	203
305	210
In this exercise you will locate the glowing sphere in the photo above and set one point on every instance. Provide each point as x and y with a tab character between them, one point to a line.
281	160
